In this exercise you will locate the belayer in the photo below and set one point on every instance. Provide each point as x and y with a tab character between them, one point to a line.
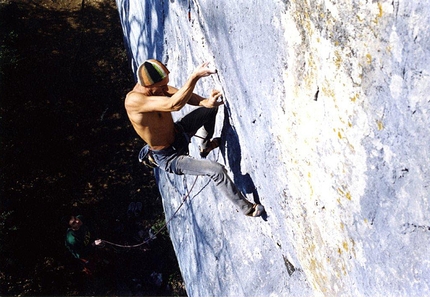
149	106
80	242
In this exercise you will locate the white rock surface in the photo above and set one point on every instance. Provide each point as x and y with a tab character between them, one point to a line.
326	122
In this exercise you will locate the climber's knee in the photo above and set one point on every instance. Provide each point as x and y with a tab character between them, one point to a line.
219	173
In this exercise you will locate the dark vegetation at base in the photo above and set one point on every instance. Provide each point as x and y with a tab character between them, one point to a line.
67	148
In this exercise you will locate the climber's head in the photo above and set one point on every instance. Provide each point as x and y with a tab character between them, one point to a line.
152	72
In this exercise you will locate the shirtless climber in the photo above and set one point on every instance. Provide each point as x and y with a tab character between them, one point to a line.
149	106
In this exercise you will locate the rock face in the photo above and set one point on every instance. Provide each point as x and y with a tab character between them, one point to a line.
326	122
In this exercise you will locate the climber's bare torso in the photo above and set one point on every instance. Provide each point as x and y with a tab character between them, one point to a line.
154	126
149	108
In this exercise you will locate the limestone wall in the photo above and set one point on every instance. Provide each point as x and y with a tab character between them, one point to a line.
326	122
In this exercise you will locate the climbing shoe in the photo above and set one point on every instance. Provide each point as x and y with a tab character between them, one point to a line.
256	210
212	144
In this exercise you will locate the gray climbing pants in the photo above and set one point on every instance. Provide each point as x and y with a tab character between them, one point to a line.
175	159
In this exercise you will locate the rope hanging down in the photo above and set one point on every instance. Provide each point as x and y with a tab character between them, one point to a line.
102	241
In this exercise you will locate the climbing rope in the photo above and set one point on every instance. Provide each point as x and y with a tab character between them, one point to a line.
102	241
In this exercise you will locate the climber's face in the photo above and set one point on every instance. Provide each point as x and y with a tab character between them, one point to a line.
160	88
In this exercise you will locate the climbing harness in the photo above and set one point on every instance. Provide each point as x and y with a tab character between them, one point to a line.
152	236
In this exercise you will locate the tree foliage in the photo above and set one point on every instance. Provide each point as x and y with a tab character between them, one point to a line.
67	146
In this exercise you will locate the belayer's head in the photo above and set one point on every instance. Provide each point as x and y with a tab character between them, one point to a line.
75	223
151	72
